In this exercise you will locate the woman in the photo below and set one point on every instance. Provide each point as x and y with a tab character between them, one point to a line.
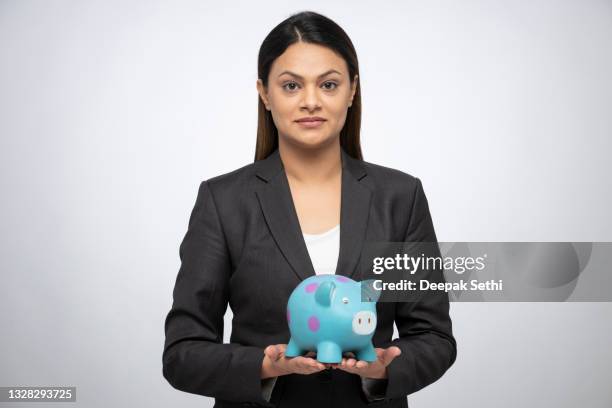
306	206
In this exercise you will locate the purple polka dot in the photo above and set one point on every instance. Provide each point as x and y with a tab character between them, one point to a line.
342	279
288	316
313	323
311	287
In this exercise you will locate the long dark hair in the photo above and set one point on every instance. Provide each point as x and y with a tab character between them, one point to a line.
309	27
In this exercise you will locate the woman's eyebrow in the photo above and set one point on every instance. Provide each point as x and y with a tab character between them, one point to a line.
301	77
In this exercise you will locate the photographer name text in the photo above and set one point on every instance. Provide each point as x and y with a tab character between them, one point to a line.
424	284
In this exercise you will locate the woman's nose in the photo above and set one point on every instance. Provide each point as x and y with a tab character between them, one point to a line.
310	98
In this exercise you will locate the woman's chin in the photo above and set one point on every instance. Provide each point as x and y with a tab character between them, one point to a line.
313	142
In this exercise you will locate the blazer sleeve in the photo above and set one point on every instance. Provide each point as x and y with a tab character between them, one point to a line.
425	329
194	358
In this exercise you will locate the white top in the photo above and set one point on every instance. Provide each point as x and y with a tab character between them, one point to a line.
324	250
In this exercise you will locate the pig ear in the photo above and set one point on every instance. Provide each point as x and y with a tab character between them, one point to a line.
324	293
368	293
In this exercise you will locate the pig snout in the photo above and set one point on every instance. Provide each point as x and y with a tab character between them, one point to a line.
364	322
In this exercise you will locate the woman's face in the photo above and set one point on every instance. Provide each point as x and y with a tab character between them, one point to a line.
308	80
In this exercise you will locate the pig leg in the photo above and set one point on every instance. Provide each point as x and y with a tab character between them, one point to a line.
292	349
329	352
367	353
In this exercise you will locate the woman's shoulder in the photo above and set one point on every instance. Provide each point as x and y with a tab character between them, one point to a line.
384	171
232	181
389	179
379	178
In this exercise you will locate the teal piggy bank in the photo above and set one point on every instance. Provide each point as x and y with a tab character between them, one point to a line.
326	314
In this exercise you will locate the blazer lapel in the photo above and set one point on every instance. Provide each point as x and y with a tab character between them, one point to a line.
279	212
354	213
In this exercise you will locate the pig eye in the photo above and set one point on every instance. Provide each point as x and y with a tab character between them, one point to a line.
345	300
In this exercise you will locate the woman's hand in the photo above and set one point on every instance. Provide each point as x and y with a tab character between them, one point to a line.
275	363
375	369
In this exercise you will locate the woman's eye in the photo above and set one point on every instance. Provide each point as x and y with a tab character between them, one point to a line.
288	84
333	85
292	86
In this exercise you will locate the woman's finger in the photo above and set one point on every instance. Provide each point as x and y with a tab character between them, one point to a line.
361	364
272	352
307	362
389	354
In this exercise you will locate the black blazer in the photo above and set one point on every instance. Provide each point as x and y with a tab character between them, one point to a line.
244	247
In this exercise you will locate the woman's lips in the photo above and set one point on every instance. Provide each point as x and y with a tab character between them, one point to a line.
310	123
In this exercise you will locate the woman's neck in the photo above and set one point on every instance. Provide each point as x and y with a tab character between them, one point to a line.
311	166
